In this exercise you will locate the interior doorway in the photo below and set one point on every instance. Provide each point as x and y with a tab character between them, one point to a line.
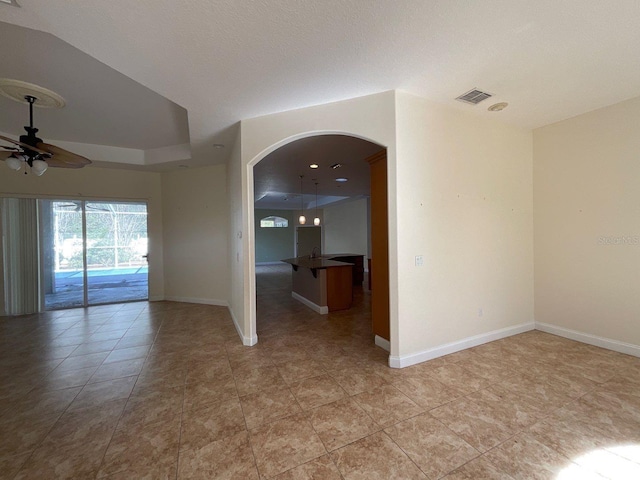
283	181
92	253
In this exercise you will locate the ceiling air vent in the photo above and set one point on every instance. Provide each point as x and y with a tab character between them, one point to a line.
474	96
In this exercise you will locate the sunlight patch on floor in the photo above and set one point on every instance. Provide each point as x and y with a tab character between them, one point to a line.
615	463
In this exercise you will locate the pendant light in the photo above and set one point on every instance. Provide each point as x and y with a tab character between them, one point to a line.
316	220
302	219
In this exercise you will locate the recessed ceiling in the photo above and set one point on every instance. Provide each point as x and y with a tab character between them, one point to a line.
230	60
104	107
277	176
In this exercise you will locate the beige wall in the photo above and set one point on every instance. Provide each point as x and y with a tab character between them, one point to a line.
345	227
465	205
195	220
587	226
460	194
100	183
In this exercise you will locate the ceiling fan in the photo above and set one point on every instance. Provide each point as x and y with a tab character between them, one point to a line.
30	149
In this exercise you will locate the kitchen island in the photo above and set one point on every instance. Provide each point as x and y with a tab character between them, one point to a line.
322	283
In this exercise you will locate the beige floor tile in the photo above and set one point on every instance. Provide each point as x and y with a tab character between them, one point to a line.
425	391
316	391
375	457
569	436
214	422
476	425
252	381
284	444
151	406
42	402
478	469
70	461
458	379
230	458
522	456
199	383
434	448
96	394
340	423
387	405
86	425
268	405
129	353
20	437
94	347
293	372
61	379
135	340
544	394
83	361
139	448
197	395
357	380
112	371
513	410
10	465
321	468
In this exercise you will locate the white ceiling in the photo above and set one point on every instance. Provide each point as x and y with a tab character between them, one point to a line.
228	60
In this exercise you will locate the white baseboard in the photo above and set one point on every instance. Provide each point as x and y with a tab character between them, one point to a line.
246	341
383	343
202	301
156	298
316	308
595	340
430	354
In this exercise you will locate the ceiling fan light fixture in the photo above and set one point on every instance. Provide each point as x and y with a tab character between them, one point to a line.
14	163
38	167
31	149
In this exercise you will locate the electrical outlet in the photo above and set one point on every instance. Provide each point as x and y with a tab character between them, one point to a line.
480	312
419	260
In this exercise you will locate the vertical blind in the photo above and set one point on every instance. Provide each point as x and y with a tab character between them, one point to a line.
20	252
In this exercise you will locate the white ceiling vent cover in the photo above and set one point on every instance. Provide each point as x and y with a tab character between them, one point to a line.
474	96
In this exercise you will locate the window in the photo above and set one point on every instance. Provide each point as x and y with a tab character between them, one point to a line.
274	222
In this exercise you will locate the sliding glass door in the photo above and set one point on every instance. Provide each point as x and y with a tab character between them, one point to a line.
62	254
93	252
116	252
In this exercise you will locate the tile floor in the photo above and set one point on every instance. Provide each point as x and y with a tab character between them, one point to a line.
166	390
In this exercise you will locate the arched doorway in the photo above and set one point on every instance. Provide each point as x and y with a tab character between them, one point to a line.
283	181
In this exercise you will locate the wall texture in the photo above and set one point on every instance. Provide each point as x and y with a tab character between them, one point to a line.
100	183
587	226
465	205
195	219
345	228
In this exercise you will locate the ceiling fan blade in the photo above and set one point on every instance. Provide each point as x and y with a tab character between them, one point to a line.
63	158
23	145
5	154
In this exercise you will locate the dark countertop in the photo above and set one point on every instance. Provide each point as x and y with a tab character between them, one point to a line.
320	262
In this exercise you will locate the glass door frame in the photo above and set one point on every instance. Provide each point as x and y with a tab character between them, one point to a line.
85	271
